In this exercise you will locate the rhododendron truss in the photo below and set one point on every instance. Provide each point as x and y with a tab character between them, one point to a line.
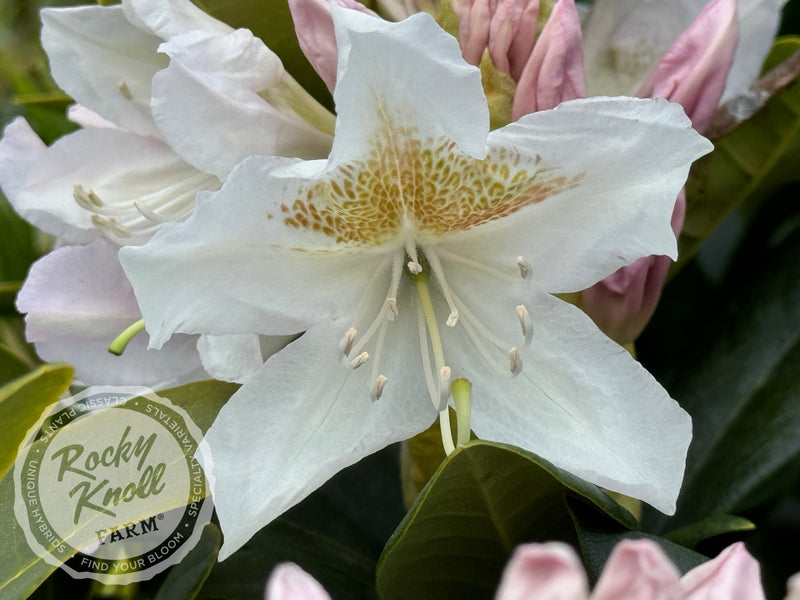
425	249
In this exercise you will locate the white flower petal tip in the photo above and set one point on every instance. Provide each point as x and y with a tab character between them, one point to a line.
289	582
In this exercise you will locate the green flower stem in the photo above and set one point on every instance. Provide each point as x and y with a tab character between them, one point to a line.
461	389
123	339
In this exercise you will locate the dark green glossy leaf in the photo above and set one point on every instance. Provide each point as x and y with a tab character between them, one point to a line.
747	164
272	22
598	535
693	534
187	577
742	388
483	500
336	534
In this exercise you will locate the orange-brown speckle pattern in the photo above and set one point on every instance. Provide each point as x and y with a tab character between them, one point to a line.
428	185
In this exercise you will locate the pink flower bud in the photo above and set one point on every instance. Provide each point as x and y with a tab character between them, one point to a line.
290	582
314	27
693	71
554	72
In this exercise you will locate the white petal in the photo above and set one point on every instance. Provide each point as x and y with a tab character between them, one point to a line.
119	166
236	358
210	91
78	301
103	62
758	24
405	76
580	402
235	266
168	18
302	419
619	204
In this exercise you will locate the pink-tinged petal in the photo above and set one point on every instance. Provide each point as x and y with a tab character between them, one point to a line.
623	303
554	72
694	69
77	301
793	587
733	575
543	572
638	570
313	24
473	28
290	582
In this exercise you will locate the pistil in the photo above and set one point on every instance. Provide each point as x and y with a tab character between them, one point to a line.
123	339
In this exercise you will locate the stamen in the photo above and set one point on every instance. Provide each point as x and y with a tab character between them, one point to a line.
359	360
125	90
447	434
148	213
414	266
121	342
444	387
86	198
525	323
524	267
391	309
377	387
112	225
468	262
347	341
436	267
516	361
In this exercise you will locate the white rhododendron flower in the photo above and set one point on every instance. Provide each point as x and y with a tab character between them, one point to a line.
423	249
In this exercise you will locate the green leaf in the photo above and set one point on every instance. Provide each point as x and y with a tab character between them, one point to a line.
693	534
483	500
16	254
272	22
22	402
598	536
336	534
11	366
21	570
747	164
741	385
187	577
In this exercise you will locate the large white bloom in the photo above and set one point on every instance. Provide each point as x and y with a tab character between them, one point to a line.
425	243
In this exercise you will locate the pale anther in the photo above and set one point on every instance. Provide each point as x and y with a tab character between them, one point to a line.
414	267
515	360
523	265
347	341
86	198
112	225
452	319
444	387
377	387
525	323
359	360
125	90
391	309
